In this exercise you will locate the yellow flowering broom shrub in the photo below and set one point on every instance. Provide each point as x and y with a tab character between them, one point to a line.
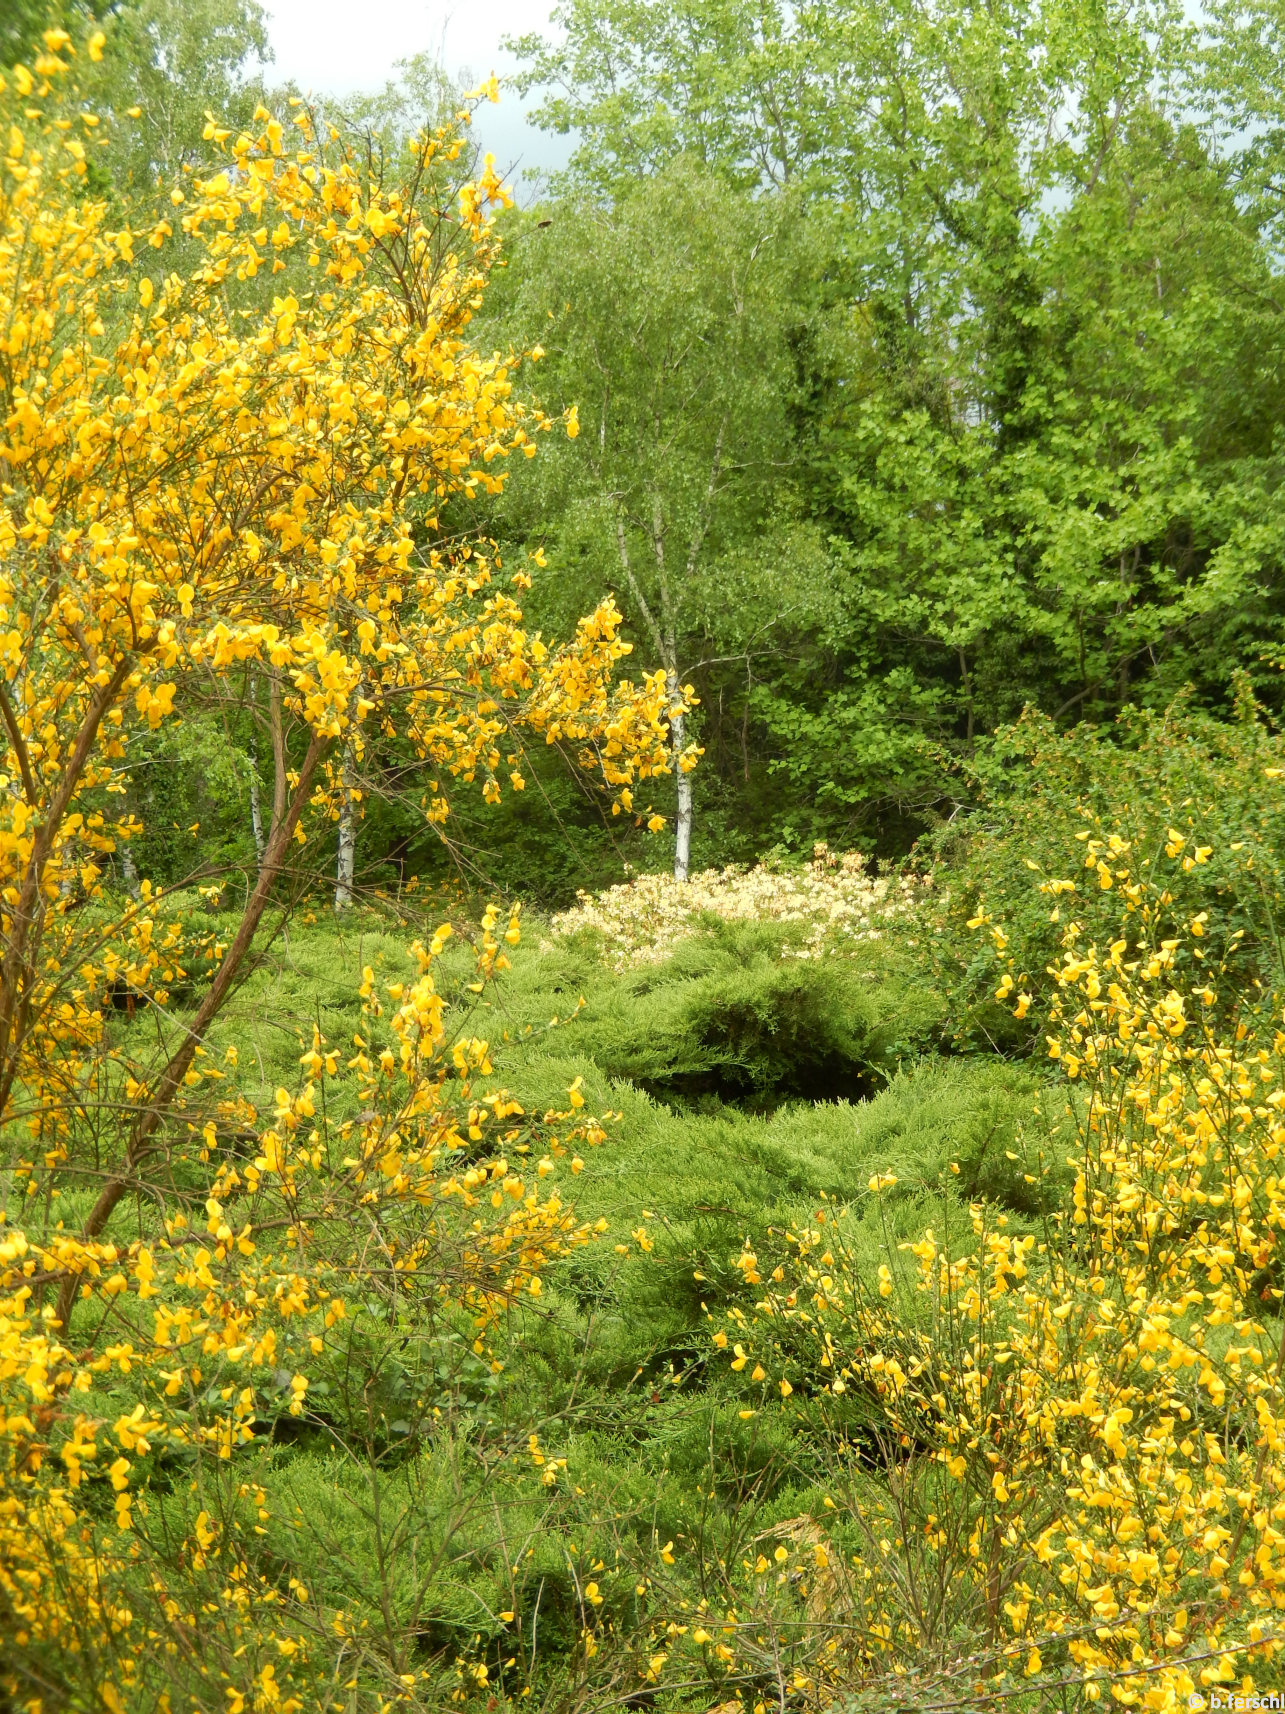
252	1282
226	439
1065	1446
192	487
1198	803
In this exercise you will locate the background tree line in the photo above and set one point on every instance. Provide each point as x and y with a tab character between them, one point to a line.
939	350
928	365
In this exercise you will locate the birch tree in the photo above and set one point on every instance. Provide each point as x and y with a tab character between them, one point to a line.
664	320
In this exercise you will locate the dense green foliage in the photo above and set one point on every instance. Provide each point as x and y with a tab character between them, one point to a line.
927	370
902	407
999	391
593	1369
1196	802
754	1091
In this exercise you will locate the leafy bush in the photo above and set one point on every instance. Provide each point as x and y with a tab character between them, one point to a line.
1078	1438
345	1281
683	1189
1191	807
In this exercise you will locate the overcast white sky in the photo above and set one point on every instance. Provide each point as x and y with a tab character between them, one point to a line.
345	45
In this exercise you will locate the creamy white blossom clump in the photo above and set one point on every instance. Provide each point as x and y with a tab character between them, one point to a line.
836	899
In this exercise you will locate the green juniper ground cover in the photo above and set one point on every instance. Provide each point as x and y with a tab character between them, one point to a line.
642	845
556	1518
749	1090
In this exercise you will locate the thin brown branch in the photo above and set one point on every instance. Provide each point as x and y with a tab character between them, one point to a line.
19	747
149	1118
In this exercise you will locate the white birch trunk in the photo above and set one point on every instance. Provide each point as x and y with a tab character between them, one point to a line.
683	819
256	811
256	804
346	860
129	872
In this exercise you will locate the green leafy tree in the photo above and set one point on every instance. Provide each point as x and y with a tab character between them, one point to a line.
724	82
23	23
1037	376
665	320
167	65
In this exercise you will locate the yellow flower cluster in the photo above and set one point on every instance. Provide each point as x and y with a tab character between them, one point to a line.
1105	1402
836	900
219	486
249	1285
205	473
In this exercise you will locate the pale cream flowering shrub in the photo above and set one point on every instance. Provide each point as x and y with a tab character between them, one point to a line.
836	899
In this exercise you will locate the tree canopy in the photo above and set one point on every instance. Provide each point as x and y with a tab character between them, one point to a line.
1031	338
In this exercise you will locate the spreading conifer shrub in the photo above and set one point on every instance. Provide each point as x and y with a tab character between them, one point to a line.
728	1018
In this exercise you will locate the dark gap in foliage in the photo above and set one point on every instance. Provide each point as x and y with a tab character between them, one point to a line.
826	1079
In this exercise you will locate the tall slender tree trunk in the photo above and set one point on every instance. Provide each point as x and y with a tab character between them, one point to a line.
662	622
19	968
256	803
280	761
156	1104
683	819
677	744
256	812
129	872
346	860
